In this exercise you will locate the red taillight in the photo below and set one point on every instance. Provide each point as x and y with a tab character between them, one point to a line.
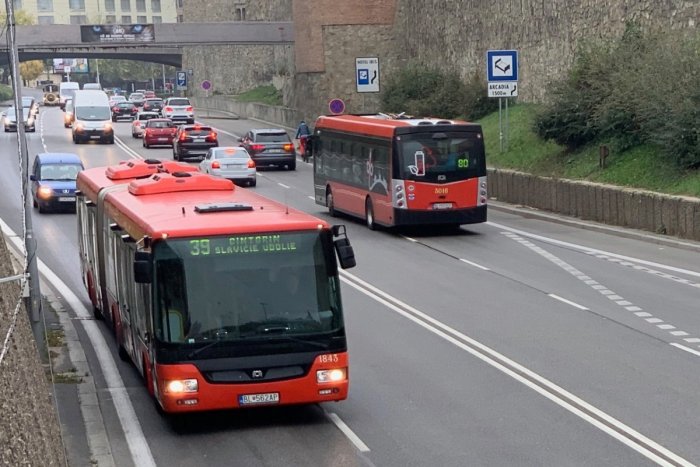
188	109
212	135
183	136
289	147
215	165
146	106
134	110
251	164
137	123
115	108
257	147
168	109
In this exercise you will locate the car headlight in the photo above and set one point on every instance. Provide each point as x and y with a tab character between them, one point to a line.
180	386
331	376
108	126
44	192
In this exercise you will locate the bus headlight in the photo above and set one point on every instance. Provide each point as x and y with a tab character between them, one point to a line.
331	376
179	386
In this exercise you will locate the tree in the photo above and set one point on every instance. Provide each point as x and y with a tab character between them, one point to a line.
31	70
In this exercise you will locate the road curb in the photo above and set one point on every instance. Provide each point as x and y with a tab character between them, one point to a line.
528	212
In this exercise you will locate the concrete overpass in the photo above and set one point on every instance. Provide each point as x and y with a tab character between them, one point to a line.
64	41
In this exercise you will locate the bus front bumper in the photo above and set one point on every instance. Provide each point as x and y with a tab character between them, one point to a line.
445	217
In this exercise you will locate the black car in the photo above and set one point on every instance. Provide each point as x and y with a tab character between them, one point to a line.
124	110
270	147
153	105
193	141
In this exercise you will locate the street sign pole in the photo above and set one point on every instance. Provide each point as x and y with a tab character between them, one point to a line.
500	123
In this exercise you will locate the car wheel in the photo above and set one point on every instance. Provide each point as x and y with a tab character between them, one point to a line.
133	135
175	155
369	215
252	183
35	204
292	165
329	202
110	140
42	209
191	122
144	144
114	119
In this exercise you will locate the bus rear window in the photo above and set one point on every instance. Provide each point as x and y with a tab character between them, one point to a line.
440	156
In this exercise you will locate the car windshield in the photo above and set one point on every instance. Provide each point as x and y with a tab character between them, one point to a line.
158	124
59	171
136	96
147	116
118	98
280	137
12	114
178	102
230	153
154	101
27	101
92	113
440	156
235	289
126	105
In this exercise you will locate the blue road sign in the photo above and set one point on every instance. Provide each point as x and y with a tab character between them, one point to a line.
181	79
502	65
362	76
336	106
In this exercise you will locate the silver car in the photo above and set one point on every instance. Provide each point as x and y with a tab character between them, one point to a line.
233	163
178	109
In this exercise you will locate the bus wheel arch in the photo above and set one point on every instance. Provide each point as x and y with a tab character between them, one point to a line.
369	214
329	202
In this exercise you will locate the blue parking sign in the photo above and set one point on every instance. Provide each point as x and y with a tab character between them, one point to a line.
363	76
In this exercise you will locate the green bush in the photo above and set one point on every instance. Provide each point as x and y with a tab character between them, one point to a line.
422	91
477	102
6	92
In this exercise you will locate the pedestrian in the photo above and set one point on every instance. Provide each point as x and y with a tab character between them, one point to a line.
302	135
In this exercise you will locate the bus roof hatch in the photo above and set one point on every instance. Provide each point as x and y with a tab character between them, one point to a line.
177	182
145	168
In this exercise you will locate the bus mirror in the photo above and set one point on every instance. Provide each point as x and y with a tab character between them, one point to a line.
142	267
346	255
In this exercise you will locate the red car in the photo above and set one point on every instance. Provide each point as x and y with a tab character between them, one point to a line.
159	132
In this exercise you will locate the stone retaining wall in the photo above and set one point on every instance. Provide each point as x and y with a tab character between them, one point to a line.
269	113
638	209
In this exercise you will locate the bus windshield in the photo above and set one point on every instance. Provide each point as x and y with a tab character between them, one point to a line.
440	156
279	288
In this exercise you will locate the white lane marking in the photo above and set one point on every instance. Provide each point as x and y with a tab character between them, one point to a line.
679	333
283	185
537	383
594	251
359	444
666	327
568	302
311	198
687	349
476	265
122	145
140	452
578	274
692	340
410	239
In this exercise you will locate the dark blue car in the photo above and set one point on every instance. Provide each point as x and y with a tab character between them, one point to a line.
53	178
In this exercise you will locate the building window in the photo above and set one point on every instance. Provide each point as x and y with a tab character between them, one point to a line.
126	5
78	19
157	19
110	19
179	5
109	5
141	5
180	19
141	19
126	19
155	6
44	5
76	5
45	19
239	13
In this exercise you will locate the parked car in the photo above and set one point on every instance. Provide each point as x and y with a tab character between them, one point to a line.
178	108
68	116
124	110
136	98
193	141
52	179
233	163
140	121
10	120
270	147
159	132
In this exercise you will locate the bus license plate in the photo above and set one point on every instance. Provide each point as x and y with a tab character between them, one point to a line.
442	206
265	398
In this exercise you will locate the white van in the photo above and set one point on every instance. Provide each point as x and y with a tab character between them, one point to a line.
65	91
92	86
92	117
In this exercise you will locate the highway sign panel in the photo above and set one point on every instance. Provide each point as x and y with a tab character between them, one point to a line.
367	74
503	89
502	65
181	79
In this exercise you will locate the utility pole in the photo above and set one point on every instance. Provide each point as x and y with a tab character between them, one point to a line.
97	69
32	270
163	71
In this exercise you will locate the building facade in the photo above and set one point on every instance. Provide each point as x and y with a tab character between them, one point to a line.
99	11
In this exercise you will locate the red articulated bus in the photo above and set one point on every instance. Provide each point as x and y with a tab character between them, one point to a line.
399	170
221	298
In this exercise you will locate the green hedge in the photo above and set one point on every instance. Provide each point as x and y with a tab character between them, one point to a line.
6	92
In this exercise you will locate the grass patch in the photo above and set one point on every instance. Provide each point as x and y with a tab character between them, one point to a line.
262	94
55	337
641	167
67	378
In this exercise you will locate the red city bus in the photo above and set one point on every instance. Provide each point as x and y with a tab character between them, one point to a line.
398	170
222	298
95	184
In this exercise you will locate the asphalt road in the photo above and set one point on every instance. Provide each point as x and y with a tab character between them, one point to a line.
515	342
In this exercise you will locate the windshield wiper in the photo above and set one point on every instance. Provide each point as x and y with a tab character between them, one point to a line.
301	341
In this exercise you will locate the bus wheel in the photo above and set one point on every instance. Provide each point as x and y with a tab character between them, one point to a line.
369	215
329	202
